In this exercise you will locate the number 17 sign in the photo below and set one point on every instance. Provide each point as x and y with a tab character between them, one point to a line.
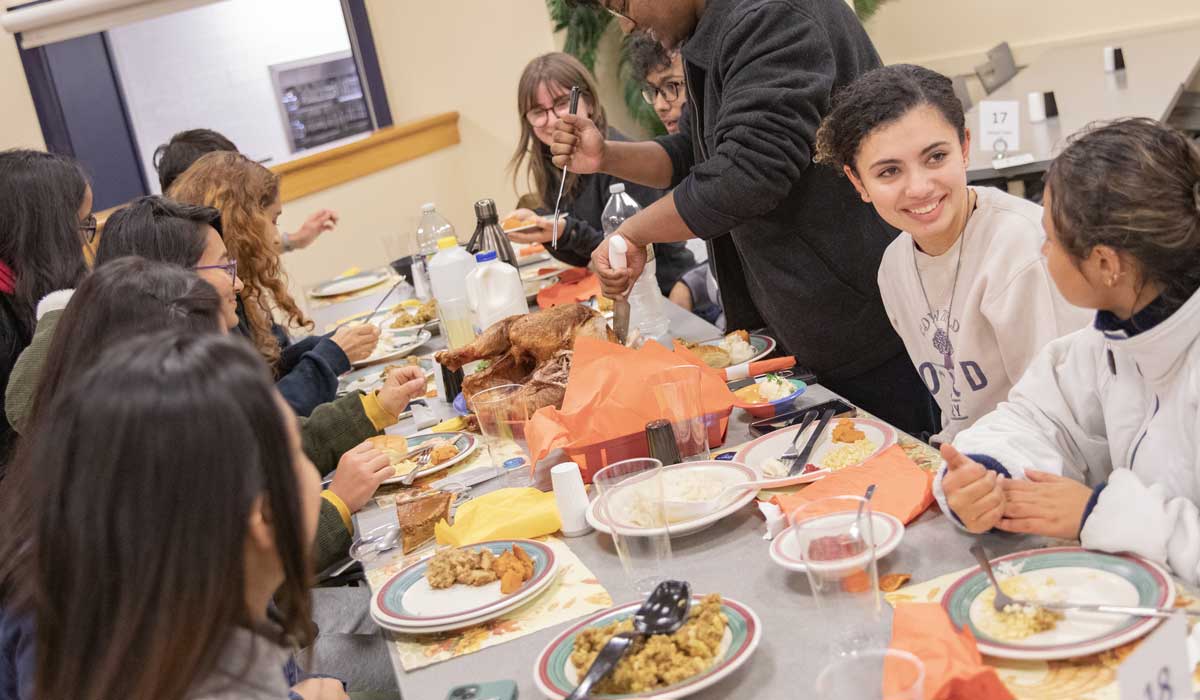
999	126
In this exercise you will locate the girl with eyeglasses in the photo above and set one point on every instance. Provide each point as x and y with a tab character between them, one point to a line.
543	96
45	219
247	195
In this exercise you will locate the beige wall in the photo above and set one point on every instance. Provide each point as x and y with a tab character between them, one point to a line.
18	121
952	35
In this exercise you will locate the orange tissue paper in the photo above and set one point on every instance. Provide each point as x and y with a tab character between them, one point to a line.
954	668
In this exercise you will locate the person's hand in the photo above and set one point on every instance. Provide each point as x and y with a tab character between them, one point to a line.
544	232
617	284
320	689
403	384
359	473
578	145
974	492
1046	504
318	223
358	342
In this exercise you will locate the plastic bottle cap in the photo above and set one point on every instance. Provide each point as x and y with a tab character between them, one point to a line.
485	256
447	242
617	188
427	207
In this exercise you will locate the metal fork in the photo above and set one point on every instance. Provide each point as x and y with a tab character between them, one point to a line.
1003	600
793	453
426	453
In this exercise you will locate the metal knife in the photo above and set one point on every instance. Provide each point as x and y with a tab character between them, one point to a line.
617	249
802	460
788	459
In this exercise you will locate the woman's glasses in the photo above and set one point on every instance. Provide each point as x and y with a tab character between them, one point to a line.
230	268
539	116
670	90
88	228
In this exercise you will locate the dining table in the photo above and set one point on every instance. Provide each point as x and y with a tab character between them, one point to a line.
730	557
1159	65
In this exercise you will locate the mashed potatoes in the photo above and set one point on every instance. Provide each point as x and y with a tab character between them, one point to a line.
738	346
641	506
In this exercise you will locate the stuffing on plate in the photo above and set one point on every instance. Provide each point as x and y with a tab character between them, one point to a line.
479	567
1017	622
661	660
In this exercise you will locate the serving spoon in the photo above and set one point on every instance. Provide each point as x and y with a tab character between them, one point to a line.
664	612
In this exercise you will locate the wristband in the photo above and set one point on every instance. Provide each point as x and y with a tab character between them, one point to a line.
286	241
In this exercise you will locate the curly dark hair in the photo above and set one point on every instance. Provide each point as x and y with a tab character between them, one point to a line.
880	97
645	56
1132	185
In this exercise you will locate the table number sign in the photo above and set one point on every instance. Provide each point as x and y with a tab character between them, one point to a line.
1158	669
1000	126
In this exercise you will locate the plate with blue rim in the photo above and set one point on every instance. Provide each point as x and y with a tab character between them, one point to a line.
556	676
407	603
1077	575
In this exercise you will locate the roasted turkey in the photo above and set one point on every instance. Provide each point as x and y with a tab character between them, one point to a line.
533	350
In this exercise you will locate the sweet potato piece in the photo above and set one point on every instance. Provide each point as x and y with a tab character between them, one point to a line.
510	581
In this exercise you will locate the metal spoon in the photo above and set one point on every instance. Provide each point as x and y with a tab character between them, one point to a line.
858	517
664	612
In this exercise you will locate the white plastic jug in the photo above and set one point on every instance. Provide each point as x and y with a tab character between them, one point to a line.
448	271
494	291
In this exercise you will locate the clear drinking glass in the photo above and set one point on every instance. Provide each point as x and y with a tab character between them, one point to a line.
837	544
677	391
873	674
502	421
632	503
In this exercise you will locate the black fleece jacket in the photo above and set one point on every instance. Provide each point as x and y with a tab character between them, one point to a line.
792	242
584	229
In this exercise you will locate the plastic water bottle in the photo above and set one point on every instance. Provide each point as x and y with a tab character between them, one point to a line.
448	271
494	291
645	301
433	227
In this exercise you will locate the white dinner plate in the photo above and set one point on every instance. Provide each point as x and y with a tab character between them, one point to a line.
728	472
395	346
556	676
407	603
349	285
888	530
1079	576
465	442
772	445
369	379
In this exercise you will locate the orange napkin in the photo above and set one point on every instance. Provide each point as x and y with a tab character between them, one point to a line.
954	668
574	284
609	401
902	489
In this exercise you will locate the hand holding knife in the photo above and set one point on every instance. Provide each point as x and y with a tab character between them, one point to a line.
562	181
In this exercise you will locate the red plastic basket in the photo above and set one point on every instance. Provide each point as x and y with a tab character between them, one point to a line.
592	458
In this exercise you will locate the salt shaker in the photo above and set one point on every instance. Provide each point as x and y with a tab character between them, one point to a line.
660	439
571	498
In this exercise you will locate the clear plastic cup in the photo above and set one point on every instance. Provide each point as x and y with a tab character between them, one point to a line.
677	391
873	674
501	420
837	544
632	504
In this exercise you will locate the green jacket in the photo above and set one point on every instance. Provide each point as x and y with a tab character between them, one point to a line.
331	430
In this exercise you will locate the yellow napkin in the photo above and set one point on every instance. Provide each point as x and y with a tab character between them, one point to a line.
523	513
350	272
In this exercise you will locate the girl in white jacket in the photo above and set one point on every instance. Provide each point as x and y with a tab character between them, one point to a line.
964	284
1100	440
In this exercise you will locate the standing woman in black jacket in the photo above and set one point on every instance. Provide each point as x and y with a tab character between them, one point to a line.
543	95
45	220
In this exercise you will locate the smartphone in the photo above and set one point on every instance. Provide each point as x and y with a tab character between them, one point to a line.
496	690
784	420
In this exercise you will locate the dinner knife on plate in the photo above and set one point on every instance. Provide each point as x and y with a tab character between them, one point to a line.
617	249
802	460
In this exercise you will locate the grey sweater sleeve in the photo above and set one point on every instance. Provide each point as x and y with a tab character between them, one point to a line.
775	86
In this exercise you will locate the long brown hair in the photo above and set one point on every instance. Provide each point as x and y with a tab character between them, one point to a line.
242	190
1132	185
138	554
562	71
